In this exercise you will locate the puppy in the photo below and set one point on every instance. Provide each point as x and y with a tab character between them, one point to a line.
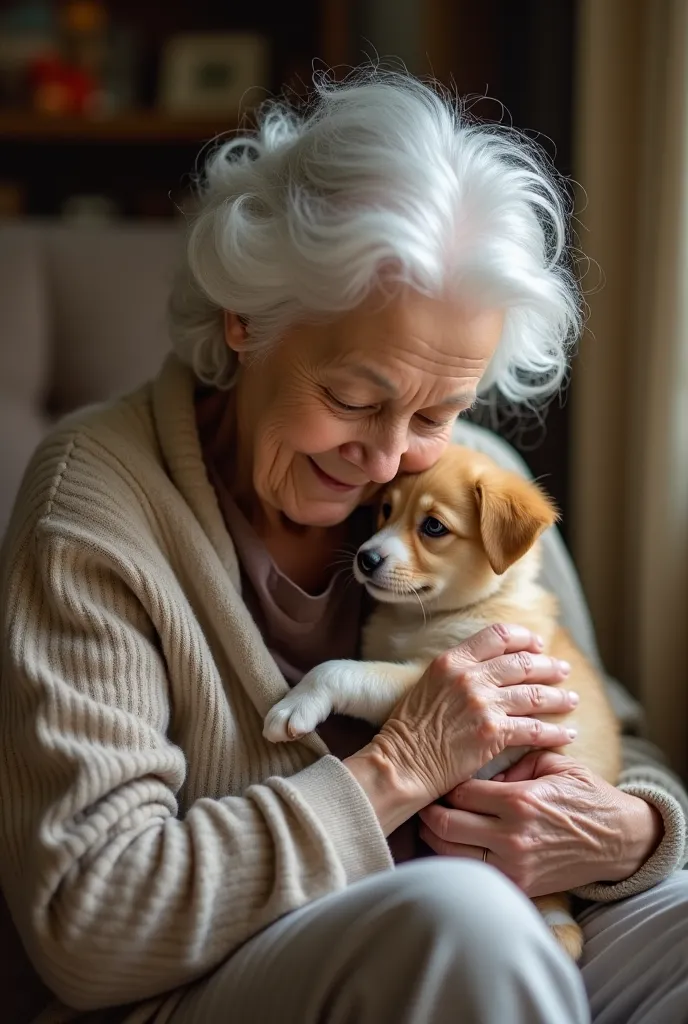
456	550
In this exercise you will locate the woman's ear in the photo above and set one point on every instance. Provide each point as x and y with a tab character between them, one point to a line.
235	333
513	513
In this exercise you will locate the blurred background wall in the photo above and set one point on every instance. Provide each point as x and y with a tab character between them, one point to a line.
628	450
105	105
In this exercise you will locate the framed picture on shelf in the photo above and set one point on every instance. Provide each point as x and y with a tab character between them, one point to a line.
212	74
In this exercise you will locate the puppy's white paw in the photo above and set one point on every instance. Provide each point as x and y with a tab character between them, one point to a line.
294	716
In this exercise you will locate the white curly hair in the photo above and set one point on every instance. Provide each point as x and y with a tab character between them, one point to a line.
380	180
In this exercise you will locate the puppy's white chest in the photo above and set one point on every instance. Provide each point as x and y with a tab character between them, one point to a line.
387	637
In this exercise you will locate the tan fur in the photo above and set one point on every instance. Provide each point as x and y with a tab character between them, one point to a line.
435	592
488	565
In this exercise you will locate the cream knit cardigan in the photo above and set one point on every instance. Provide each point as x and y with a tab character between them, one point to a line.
146	827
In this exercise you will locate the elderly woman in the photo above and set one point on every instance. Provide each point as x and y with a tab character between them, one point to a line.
355	278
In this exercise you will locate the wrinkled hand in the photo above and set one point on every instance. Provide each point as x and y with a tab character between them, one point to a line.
548	823
473	702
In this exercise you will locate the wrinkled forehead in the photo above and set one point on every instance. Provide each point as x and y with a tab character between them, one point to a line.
412	341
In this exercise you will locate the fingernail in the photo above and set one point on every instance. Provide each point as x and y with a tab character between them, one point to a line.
573	697
572	733
538	640
565	667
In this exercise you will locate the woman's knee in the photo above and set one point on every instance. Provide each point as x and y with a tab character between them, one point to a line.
482	941
474	904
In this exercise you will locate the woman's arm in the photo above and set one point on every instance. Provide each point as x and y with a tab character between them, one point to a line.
116	896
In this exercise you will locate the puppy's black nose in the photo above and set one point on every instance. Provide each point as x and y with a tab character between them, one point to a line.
369	561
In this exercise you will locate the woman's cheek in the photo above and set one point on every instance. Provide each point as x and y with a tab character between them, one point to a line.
320	433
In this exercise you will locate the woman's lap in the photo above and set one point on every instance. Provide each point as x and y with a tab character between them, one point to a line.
635	960
425	943
409	946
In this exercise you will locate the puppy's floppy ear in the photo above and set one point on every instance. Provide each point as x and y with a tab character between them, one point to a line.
513	513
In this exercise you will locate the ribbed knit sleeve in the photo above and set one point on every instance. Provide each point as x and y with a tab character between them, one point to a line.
117	894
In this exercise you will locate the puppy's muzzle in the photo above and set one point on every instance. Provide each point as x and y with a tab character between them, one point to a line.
369	561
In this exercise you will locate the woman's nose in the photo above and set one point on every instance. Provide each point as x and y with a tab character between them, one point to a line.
380	462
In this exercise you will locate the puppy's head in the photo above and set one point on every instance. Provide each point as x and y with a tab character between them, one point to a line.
452	532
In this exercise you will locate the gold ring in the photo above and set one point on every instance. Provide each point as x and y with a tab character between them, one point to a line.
485	853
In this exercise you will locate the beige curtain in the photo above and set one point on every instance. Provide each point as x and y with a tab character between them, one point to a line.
630	382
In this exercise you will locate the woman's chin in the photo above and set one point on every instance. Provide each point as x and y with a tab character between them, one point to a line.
321	514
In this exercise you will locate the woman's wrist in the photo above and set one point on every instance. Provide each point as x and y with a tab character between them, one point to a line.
393	794
643	830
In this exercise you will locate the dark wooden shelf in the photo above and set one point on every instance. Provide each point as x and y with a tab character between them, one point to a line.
135	127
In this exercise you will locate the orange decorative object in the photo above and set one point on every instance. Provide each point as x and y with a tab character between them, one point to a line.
57	88
83	16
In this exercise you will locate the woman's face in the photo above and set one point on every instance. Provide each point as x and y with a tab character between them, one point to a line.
336	410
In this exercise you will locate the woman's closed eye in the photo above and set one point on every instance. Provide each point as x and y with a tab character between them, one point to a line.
425	421
349	406
432	424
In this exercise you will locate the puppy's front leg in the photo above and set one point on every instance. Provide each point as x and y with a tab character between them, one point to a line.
364	689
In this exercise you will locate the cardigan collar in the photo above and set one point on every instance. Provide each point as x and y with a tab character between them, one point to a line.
173	394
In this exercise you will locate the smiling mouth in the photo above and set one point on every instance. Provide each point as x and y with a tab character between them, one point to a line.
331	481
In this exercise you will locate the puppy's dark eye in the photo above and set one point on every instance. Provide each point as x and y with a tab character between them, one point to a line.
432	527
386	511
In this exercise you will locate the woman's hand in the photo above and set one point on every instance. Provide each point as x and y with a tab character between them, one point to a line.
550	825
470	704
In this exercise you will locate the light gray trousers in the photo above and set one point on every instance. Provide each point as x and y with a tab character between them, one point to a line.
443	941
